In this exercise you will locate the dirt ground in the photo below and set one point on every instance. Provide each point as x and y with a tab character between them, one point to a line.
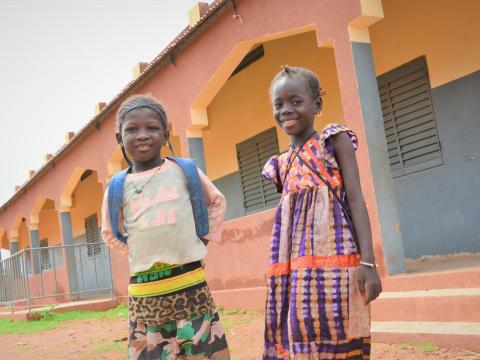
106	339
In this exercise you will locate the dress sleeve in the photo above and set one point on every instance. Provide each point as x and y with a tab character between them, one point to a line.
326	138
271	172
107	233
216	206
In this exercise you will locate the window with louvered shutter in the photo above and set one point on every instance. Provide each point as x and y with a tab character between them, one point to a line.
252	155
28	262
409	119
91	232
45	255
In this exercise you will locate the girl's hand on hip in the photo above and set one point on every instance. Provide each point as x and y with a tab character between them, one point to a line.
369	283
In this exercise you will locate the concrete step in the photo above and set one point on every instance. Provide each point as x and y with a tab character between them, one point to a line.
464	335
451	279
438	305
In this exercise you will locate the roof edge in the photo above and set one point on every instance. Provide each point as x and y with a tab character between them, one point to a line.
175	45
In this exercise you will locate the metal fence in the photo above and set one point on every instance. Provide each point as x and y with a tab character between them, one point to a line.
64	272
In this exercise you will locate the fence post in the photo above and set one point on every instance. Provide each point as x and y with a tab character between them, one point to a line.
27	285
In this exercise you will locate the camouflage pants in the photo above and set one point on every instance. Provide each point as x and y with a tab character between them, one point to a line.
200	337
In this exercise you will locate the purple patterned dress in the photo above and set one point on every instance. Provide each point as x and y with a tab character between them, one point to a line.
314	309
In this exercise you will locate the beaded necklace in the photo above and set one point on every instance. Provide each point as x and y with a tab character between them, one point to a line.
139	190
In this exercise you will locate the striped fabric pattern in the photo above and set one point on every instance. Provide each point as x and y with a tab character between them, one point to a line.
313	262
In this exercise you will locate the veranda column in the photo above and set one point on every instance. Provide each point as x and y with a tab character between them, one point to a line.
13	242
70	258
377	150
35	243
195	148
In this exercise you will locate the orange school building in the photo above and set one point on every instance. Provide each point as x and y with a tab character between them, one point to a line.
404	75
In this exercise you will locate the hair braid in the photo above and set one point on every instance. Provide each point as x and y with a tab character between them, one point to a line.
313	84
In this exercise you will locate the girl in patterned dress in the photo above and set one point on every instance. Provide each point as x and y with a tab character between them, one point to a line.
322	273
171	311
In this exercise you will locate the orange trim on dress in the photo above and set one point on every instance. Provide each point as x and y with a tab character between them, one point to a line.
313	262
278	269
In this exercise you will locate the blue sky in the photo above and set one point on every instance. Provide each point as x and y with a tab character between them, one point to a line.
58	58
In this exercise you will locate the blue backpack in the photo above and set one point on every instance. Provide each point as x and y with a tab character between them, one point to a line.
197	197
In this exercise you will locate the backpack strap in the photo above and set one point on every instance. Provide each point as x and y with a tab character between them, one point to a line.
115	194
197	197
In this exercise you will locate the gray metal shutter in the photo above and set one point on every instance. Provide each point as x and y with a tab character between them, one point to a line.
45	255
252	154
91	233
28	262
409	119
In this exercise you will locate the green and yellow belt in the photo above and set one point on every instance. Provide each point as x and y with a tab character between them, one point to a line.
163	279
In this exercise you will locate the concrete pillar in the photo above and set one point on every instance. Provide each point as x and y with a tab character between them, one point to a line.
66	225
377	151
35	254
70	259
195	148
13	248
14	236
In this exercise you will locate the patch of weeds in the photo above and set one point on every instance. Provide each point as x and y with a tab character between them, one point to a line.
427	347
45	313
405	346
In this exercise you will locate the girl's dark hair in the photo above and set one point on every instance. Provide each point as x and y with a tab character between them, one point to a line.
141	101
313	84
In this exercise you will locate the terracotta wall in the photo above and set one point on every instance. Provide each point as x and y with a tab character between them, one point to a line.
240	260
50	278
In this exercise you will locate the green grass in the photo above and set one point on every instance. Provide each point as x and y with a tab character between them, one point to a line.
424	347
103	347
233	317
427	347
8	326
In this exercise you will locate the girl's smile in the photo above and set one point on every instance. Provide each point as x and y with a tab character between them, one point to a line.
144	147
289	123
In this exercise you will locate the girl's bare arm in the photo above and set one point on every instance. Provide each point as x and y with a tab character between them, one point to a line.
369	281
